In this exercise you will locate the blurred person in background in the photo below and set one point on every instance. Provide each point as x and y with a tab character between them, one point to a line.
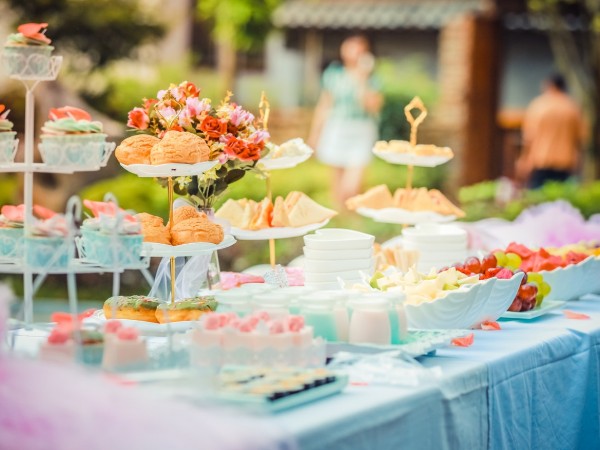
552	136
345	125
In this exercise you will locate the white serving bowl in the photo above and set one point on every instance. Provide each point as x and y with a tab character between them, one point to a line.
362	253
327	266
338	239
330	277
459	309
502	295
571	282
330	285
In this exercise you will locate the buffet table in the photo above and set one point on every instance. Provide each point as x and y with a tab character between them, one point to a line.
534	384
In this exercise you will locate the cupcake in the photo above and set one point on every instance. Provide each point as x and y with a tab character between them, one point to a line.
71	139
12	219
46	244
27	53
111	237
8	143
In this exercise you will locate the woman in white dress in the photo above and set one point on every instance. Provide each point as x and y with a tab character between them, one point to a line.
344	126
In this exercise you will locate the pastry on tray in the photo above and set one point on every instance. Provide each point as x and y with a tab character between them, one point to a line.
154	229
183	310
189	226
296	210
136	149
416	199
136	307
395	146
180	147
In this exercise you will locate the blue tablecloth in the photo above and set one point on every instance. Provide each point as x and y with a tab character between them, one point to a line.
532	385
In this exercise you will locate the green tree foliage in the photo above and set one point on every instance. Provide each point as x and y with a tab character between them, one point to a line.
104	30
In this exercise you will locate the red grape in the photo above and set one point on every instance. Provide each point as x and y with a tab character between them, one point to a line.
473	265
488	262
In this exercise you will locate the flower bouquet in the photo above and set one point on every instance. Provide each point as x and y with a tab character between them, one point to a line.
235	138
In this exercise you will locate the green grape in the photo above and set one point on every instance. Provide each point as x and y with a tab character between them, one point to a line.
513	261
544	288
539	299
500	258
534	277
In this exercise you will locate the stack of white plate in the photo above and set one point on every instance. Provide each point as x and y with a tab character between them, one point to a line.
438	245
332	254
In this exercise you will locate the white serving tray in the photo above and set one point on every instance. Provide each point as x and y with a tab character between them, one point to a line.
410	159
403	216
284	162
169	170
153	249
275	232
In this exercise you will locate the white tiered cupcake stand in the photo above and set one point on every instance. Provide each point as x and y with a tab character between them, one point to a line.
34	276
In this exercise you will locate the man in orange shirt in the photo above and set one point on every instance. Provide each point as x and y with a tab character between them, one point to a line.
552	136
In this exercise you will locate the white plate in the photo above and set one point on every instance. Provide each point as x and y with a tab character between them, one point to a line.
153	249
546	307
283	162
403	216
146	328
409	159
169	170
275	232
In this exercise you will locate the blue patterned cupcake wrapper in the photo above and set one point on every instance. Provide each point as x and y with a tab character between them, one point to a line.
86	151
28	61
98	247
47	252
11	242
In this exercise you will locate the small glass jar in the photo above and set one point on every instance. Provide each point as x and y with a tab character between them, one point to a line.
370	321
320	316
337	300
397	315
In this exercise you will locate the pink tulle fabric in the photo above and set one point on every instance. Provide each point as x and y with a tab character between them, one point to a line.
551	224
52	406
231	280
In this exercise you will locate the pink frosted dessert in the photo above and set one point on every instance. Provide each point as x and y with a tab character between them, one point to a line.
59	347
123	347
255	332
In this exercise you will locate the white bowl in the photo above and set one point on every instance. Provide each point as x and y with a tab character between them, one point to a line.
328	266
571	282
459	309
338	239
502	295
330	285
255	288
330	277
363	253
432	232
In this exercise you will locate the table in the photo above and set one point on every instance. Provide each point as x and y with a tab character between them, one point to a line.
532	385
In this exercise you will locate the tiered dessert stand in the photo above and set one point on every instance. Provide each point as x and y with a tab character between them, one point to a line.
151	249
284	162
410	160
17	263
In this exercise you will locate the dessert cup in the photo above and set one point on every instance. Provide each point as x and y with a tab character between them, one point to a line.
8	146
99	247
11	242
46	252
74	150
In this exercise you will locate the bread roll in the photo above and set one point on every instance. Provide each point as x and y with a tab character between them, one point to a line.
136	307
196	230
180	147
188	309
136	149
153	229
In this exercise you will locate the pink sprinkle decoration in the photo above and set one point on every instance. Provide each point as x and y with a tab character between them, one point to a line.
128	334
112	326
247	325
573	315
465	341
490	326
262	315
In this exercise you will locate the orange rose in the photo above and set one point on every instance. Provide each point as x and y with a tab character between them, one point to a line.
239	149
138	118
213	127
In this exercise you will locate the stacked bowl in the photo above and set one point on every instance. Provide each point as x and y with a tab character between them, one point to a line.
335	254
437	245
